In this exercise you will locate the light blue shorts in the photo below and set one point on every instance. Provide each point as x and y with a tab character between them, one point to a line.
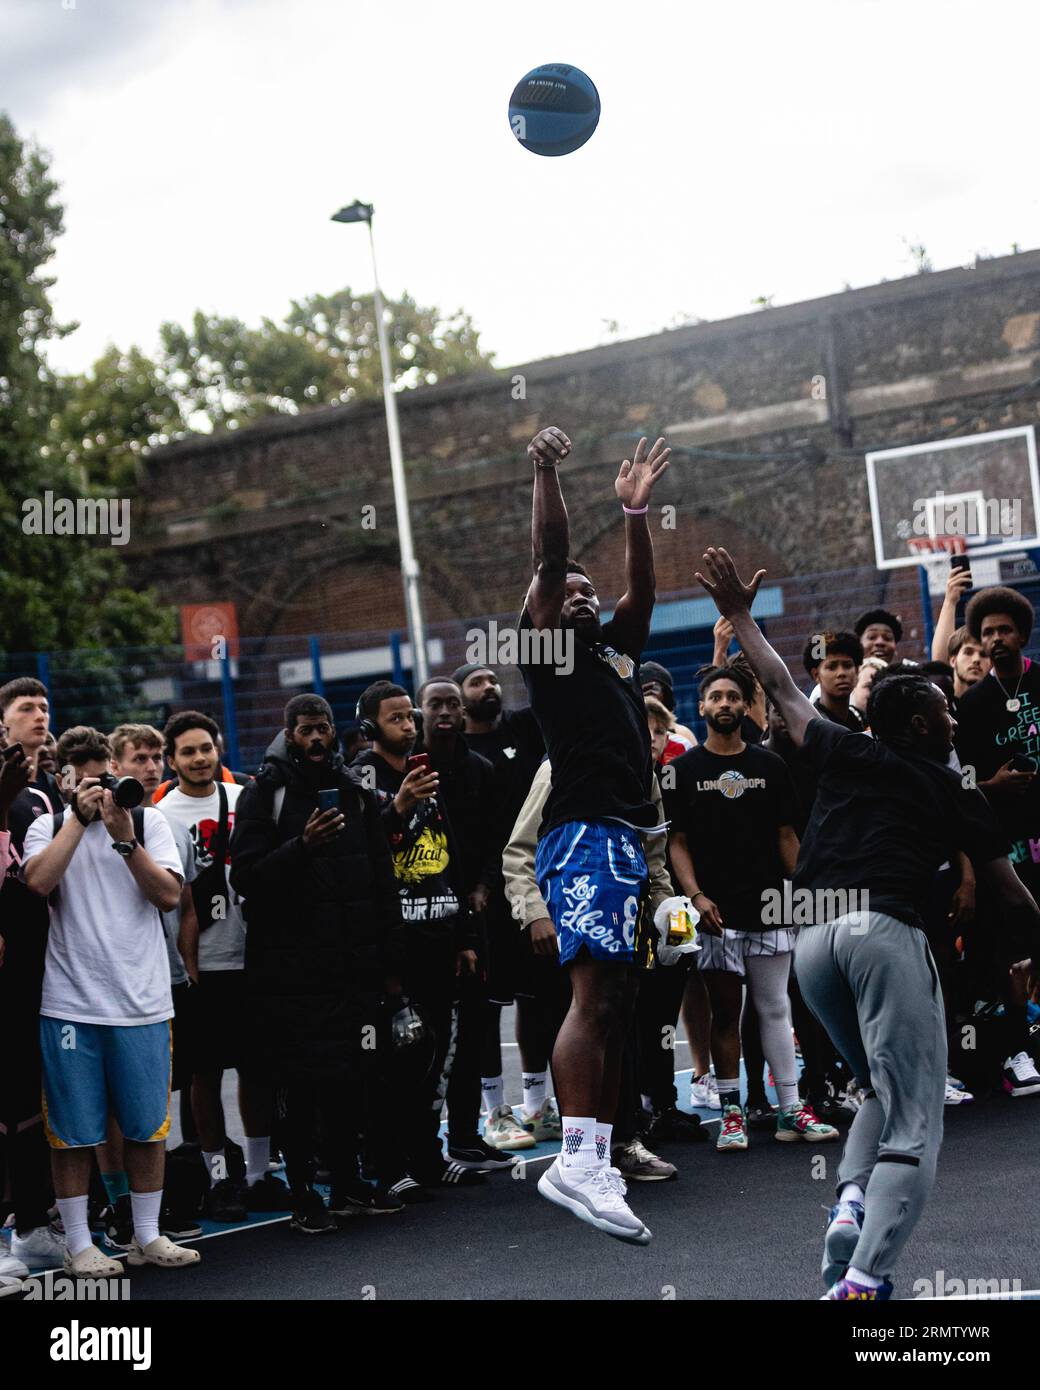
90	1069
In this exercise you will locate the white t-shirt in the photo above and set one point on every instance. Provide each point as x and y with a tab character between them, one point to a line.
222	946
106	950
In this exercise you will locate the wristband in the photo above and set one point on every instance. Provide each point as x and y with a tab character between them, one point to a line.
635	511
545	466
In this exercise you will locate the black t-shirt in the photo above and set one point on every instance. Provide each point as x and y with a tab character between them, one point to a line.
988	736
884	821
593	720
730	807
514	748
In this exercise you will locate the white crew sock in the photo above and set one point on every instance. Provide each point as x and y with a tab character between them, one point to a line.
494	1093
579	1142
258	1155
851	1192
216	1165
787	1095
534	1091
869	1281
603	1135
77	1228
145	1206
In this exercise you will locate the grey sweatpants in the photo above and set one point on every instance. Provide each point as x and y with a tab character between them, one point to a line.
872	983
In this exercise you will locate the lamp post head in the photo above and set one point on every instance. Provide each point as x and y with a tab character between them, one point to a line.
357	212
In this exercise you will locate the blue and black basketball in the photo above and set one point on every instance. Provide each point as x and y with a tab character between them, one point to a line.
554	109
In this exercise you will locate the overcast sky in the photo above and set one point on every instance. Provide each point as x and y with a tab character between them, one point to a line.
773	148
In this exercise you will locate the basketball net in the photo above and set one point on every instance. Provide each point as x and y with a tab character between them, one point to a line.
936	547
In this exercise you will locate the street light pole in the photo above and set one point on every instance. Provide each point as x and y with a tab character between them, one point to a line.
362	212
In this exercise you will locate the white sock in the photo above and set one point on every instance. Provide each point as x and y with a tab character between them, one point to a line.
787	1095
870	1281
493	1091
258	1155
534	1091
77	1228
145	1206
851	1192
603	1134
216	1165
579	1142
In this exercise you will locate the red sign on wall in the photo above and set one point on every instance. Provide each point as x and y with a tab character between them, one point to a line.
209	631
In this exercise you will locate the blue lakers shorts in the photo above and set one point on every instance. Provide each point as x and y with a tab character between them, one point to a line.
593	878
90	1069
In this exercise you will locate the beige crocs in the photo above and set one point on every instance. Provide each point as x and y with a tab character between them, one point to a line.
162	1251
92	1264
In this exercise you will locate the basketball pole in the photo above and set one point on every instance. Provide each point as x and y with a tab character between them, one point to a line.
410	577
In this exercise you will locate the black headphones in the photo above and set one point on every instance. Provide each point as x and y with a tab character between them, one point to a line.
366	727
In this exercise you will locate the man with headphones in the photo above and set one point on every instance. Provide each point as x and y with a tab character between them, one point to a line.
440	934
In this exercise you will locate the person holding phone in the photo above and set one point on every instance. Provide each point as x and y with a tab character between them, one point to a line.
310	859
24	924
998	744
440	930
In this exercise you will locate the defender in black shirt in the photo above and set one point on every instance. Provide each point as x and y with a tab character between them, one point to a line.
583	681
888	813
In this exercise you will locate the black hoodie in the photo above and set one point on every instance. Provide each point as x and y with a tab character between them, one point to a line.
323	924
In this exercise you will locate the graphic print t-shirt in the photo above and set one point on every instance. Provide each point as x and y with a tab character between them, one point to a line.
988	736
593	720
730	807
221	946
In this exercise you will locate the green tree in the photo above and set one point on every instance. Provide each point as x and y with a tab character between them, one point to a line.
325	353
55	591
108	416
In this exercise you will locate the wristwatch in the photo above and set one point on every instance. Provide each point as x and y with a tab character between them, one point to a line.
124	847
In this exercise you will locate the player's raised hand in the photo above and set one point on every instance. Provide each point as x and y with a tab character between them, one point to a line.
729	592
637	476
549	447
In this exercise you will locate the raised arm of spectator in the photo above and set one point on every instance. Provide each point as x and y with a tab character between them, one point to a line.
634	484
957	584
550	530
733	598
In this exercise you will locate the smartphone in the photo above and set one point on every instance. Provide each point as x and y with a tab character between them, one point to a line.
328	800
1020	763
960	562
13	750
419	761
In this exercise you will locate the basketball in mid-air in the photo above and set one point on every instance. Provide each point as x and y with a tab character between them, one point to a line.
554	109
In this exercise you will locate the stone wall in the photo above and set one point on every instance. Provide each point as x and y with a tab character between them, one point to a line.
272	517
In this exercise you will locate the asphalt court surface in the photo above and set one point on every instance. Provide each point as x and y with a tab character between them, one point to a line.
730	1227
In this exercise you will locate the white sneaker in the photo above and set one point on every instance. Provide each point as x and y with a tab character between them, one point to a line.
1021	1078
502	1131
595	1195
957	1095
10	1268
954	1081
42	1248
704	1092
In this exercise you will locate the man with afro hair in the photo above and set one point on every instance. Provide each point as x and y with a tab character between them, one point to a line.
998	742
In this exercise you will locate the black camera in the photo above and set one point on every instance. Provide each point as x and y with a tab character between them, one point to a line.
126	791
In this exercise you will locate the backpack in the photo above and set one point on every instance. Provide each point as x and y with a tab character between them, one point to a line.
211	884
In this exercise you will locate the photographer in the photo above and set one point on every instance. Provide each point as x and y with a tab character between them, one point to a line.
324	929
106	1005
